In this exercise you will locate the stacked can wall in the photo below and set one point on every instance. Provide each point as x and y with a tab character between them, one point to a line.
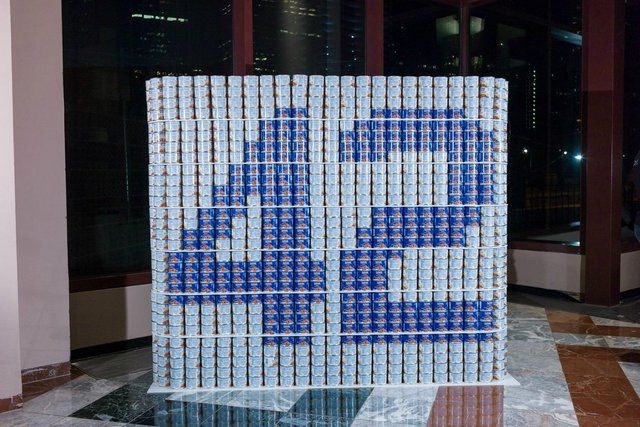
327	231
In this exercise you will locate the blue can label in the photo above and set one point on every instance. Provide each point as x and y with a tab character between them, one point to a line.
427	317
175	257
471	323
425	307
394	212
270	265
410	321
485	325
302	280
394	322
471	190
270	304
363	277
488	338
363	305
348	265
411	223
348	328
365	319
207	278
379	307
472	125
470	183
348	255
190	236
175	282
285	282
426	222
394	307
441	242
441	212
470	306
470	338
425	325
176	300
379	267
379	212
456	339
349	282
378	258
485	200
475	157
440	306
486	305
190	278
441	221
426	339
456	320
441	325
378	281
269	278
455	306
485	316
302	262
223	299
223	283
285	263
456	232
441	232
397	241
380	238
348	298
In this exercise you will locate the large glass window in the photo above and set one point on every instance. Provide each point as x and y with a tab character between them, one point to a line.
631	144
110	49
542	64
308	36
421	38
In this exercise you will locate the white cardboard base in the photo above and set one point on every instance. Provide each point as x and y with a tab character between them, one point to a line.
507	381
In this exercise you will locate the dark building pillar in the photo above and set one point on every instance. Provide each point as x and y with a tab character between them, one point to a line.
374	37
465	40
602	109
242	33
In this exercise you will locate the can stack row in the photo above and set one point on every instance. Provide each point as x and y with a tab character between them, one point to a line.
327	231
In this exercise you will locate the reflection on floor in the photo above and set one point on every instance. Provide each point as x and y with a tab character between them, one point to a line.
576	365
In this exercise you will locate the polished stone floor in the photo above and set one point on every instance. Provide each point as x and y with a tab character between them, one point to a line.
576	365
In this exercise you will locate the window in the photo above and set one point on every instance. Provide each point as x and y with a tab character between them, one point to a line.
110	49
542	64
308	37
631	142
421	38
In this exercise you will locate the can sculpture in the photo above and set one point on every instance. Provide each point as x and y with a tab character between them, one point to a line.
327	230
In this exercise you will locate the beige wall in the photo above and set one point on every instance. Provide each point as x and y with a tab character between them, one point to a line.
546	270
629	271
38	109
110	315
10	384
563	272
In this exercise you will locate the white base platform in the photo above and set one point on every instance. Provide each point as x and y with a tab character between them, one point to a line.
507	381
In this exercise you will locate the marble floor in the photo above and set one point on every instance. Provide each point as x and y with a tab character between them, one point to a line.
575	367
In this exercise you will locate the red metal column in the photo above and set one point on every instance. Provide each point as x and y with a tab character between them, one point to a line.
602	93
242	21
374	37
